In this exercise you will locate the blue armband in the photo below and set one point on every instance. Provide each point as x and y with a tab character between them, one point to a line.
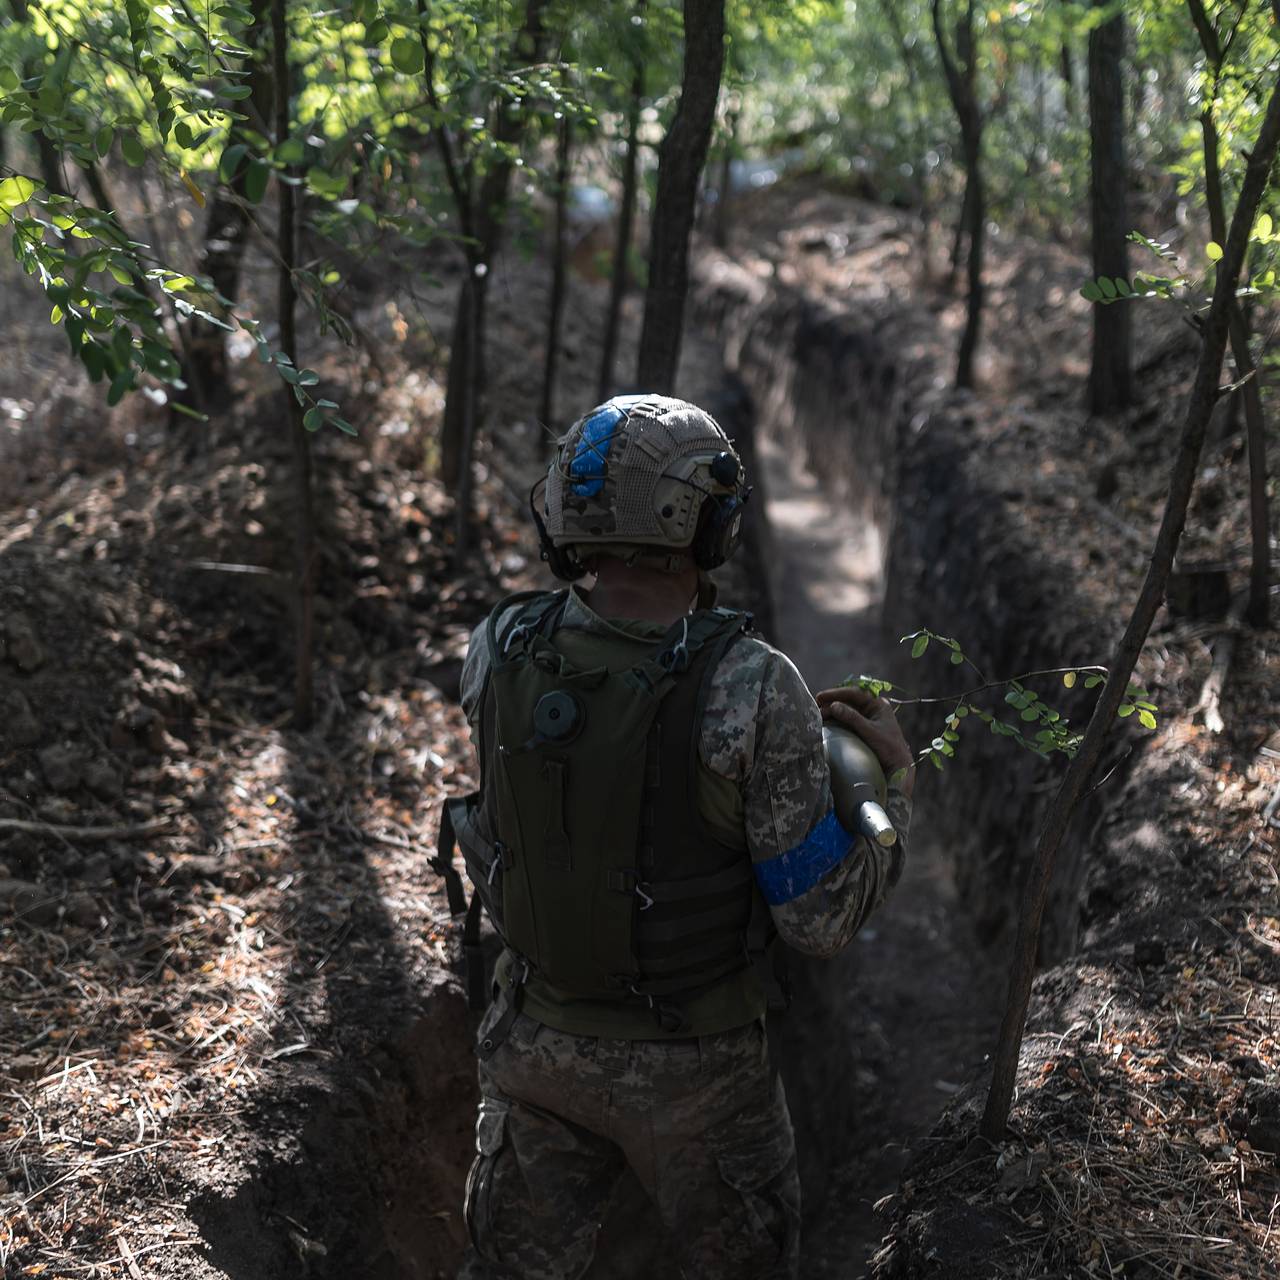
788	875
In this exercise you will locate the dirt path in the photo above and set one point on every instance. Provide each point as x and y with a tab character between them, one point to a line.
879	1038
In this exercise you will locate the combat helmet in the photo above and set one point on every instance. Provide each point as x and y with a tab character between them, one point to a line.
649	478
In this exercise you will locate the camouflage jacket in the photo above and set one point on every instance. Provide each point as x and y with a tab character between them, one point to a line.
764	770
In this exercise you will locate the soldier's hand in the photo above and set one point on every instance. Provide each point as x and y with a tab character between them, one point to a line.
874	721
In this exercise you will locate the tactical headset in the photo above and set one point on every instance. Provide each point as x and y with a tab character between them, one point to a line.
717	537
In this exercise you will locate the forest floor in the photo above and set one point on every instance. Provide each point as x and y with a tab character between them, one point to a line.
236	1044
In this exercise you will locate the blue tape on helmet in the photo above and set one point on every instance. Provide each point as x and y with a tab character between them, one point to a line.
589	458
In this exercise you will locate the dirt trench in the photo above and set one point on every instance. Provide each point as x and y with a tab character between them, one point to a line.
878	1039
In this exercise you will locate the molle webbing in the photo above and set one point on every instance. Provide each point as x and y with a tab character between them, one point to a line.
695	892
609	885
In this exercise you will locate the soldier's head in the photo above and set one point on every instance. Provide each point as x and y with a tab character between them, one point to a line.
648	480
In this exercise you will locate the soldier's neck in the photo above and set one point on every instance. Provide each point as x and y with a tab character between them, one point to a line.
646	595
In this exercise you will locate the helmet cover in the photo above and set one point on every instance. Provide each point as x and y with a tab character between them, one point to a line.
635	471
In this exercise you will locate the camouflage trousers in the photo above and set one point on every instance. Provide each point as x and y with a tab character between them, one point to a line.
701	1123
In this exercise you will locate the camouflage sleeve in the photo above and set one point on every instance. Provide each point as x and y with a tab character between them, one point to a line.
764	731
474	670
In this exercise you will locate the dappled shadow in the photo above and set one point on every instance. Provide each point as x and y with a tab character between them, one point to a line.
255	989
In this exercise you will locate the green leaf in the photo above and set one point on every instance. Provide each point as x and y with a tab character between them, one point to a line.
308	377
1262	228
1090	292
1092	682
290	375
313	419
134	152
1123	287
230	162
119	385
255	181
343	425
15	191
406	55
1108	287
103	139
920	645
1213	251
1146	718
957	658
1126	709
235	92
376	32
1030	713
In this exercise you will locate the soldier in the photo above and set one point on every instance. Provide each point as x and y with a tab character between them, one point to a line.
655	806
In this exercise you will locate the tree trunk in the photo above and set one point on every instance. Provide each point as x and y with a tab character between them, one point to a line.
960	69
962	229
1110	376
300	441
920	135
47	155
469	354
680	160
977	244
225	236
463	398
1204	393
559	262
1258	609
626	226
720	225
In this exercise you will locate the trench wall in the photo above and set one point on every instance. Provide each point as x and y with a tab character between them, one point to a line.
852	388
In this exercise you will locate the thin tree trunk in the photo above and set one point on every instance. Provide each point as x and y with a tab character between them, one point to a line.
469	327
47	155
960	70
626	226
680	160
962	229
920	132
300	441
1204	393
1258	610
559	261
1110	370
225	236
977	290
488	217
721	223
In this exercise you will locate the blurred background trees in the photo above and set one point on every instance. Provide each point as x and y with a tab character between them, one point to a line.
335	137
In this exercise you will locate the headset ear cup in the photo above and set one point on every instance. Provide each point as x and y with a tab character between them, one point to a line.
560	560
719	532
563	563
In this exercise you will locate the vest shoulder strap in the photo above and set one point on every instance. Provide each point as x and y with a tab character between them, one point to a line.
538	615
684	639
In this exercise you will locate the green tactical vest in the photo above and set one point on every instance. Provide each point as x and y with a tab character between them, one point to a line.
599	872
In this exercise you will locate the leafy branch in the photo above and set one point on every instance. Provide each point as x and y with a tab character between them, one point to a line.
1053	732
